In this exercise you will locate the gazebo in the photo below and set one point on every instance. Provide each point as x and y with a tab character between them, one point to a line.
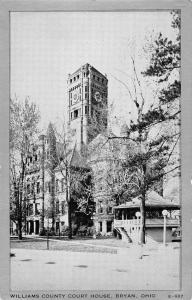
128	223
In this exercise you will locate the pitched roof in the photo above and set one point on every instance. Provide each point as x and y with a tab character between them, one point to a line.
153	199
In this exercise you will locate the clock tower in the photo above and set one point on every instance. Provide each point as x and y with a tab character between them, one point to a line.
87	90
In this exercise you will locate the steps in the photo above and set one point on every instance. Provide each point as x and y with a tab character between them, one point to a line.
124	234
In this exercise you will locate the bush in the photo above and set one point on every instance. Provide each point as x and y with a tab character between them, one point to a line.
65	231
90	231
82	231
42	232
74	229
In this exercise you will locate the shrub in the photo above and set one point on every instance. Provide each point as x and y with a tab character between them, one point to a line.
90	231
74	229
82	230
65	230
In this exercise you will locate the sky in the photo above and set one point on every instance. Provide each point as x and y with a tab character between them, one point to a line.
47	46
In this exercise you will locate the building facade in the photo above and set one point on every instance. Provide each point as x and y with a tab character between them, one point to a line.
45	194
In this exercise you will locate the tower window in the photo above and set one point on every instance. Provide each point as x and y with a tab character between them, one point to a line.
75	113
38	187
86	88
70	80
77	76
86	110
74	78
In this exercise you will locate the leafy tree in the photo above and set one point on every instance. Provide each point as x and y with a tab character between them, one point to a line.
24	119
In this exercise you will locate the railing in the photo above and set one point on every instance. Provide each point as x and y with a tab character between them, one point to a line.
148	223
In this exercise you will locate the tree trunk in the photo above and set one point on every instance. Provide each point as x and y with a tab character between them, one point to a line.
142	236
19	221
69	220
68	197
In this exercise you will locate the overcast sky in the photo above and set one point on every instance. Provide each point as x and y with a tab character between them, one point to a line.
45	47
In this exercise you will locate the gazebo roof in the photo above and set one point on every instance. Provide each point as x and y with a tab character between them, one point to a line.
153	199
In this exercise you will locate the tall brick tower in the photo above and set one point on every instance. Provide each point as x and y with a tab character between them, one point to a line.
87	90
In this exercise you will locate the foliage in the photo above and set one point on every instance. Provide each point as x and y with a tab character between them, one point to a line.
24	119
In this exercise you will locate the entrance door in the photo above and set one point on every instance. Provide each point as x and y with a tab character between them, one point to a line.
37	227
31	227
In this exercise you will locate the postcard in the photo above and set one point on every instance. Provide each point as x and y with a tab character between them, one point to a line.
96	150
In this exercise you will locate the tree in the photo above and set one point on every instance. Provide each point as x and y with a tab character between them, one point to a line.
154	128
72	167
24	119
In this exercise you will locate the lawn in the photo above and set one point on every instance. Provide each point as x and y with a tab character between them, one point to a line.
65	245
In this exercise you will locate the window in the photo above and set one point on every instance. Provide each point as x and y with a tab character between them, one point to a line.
74	79
86	110
33	188
49	187
75	113
102	80
70	80
93	76
30	159
98	79
62	207
30	209
86	95
57	185
71	116
77	76
28	188
100	208
86	88
38	187
109	226
57	207
100	226
109	209
36	209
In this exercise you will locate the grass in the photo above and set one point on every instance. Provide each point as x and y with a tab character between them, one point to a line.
38	244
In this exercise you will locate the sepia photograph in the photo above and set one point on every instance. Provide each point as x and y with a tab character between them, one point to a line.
95	151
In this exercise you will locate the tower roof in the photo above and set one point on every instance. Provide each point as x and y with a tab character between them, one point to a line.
86	66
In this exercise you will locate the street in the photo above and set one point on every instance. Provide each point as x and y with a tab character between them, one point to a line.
63	270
